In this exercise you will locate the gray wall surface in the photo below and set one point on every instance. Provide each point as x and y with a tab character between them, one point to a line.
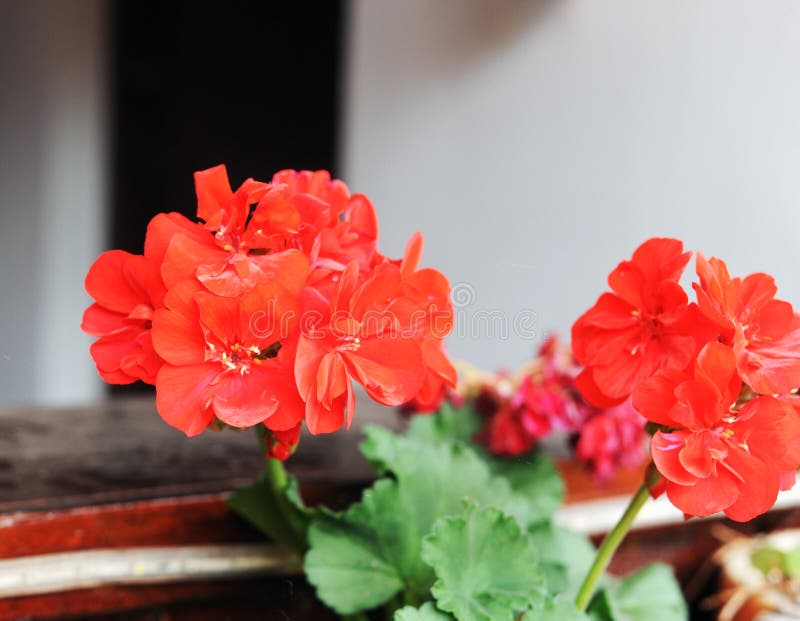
537	143
52	191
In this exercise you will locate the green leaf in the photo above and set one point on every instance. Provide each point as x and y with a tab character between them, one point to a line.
651	594
440	475
449	423
556	610
535	479
281	514
486	566
383	532
426	613
532	476
349	560
565	557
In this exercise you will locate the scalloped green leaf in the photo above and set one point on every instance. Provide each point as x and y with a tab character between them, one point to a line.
486	566
349	560
650	594
427	613
383	532
532	476
565	557
449	423
439	476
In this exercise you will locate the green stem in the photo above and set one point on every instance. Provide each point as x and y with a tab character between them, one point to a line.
295	524
358	616
610	544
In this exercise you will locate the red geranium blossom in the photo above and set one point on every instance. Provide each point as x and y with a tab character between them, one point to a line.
232	251
229	358
187	315
363	333
429	293
764	332
716	455
127	289
645	325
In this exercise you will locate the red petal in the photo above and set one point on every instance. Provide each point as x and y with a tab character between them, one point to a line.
707	496
213	194
770	367
182	396
436	361
109	351
770	428
753	294
163	227
716	364
412	255
348	283
109	282
323	420
185	255
220	316
697	454
702	403
177	338
586	385
661	258
310	352
98	321
242	400
758	488
390	369
666	448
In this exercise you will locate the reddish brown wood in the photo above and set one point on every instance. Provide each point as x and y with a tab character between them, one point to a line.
582	485
172	521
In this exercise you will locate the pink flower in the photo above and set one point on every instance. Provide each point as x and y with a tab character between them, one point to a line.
611	439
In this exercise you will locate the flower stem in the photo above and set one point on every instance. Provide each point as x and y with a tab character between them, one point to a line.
610	544
294	522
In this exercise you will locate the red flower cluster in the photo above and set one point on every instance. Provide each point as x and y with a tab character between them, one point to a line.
715	375
519	412
266	309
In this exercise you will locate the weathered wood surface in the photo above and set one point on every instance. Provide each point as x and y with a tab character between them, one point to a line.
122	450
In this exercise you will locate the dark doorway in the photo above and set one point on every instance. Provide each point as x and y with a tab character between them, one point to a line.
254	85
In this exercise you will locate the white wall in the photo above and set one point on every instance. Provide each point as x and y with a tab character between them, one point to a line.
52	176
537	143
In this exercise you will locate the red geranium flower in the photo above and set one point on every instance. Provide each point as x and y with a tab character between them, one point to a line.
232	252
764	332
646	325
428	291
363	333
229	358
127	289
719	456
